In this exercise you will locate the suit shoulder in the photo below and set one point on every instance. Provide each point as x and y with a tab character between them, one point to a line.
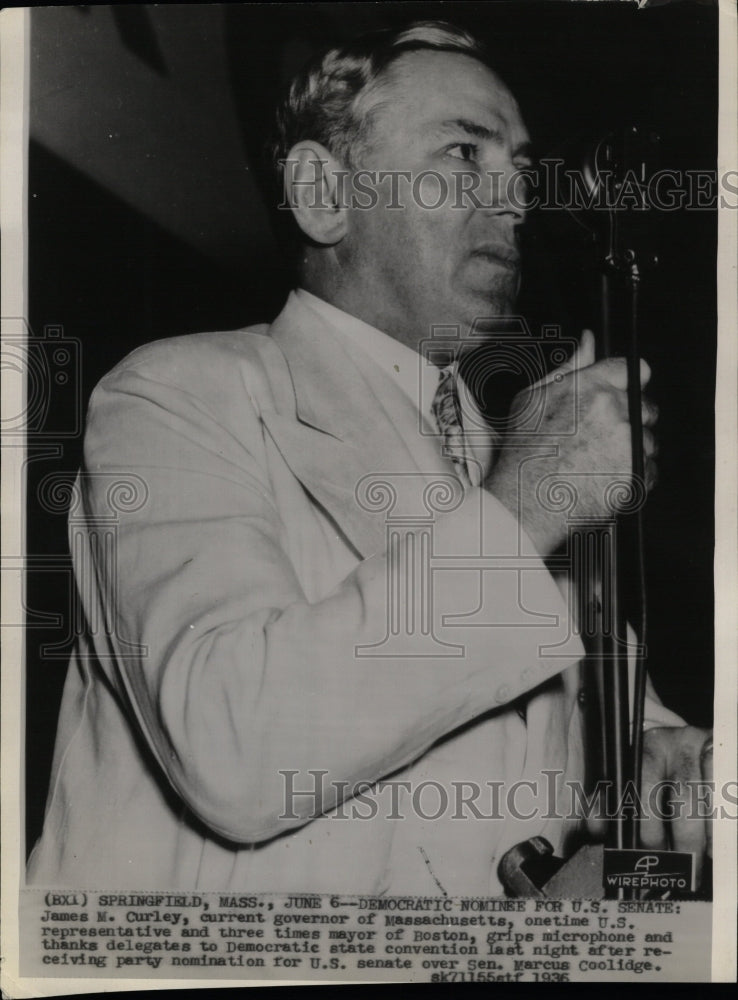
199	356
231	375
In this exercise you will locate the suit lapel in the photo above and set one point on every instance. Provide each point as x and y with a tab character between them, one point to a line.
340	425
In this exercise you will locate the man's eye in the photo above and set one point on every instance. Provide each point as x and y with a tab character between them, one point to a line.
463	151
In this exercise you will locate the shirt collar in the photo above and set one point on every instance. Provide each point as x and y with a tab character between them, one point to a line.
415	376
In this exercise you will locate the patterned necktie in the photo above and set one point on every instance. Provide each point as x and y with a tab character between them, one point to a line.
445	408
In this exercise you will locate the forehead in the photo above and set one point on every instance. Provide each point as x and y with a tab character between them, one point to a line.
425	87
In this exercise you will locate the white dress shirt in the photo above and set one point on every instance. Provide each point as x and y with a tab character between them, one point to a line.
415	375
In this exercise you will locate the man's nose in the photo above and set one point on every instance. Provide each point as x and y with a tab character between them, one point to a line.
507	195
506	217
514	197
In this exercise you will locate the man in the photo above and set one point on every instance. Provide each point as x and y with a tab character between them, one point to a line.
260	710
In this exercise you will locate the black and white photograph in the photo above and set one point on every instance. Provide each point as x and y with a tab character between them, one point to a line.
365	438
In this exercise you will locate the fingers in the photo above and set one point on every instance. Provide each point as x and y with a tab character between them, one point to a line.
652	829
651	474
649	413
583	357
650	444
611	370
674	759
687	832
614	371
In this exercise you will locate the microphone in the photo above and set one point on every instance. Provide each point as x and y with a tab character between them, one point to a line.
599	184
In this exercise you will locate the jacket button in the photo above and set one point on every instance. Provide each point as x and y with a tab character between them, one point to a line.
582	696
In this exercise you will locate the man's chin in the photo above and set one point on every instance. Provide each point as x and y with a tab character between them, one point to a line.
487	309
476	312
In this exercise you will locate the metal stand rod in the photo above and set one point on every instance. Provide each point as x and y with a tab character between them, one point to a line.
636	429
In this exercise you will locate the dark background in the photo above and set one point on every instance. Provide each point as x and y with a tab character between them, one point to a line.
148	218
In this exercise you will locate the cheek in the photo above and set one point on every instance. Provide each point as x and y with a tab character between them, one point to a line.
417	245
430	191
433	236
409	239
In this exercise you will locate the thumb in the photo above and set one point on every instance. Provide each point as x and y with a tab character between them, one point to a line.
584	354
581	358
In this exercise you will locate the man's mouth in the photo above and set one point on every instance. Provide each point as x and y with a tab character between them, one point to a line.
497	253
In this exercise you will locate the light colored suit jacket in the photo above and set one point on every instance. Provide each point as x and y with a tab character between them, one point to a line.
228	574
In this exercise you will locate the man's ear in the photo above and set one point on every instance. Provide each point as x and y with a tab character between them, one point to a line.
313	182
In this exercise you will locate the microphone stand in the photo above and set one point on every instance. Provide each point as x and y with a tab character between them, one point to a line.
613	744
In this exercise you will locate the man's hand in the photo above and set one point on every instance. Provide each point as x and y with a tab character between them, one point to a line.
598	453
674	812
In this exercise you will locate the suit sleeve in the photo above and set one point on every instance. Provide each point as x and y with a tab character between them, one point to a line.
240	678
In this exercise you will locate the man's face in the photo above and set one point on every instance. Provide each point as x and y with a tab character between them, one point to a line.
440	115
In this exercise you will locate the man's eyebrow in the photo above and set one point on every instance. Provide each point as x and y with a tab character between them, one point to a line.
471	128
479	131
